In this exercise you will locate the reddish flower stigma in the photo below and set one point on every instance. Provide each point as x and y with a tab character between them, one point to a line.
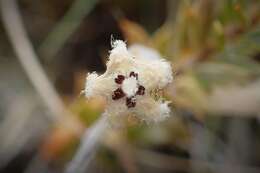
130	102
141	90
134	75
117	94
119	79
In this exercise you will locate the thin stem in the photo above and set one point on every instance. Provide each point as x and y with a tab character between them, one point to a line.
15	30
88	146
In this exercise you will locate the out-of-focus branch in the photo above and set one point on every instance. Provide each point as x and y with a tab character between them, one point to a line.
15	30
67	25
14	27
88	146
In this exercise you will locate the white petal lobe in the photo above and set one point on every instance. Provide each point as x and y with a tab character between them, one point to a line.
99	85
150	110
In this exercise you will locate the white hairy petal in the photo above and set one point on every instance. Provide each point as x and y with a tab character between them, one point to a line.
150	110
144	52
99	85
116	108
154	73
120	60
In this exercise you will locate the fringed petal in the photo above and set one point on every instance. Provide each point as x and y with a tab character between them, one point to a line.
154	71
149	110
99	85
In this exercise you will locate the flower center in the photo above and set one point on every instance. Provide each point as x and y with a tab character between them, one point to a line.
129	86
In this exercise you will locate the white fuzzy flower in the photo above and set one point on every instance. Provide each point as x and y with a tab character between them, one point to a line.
130	77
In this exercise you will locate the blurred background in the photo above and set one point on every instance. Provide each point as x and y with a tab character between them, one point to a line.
48	46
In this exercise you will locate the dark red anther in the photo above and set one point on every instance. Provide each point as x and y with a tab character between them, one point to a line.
133	74
117	94
141	90
130	102
119	79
